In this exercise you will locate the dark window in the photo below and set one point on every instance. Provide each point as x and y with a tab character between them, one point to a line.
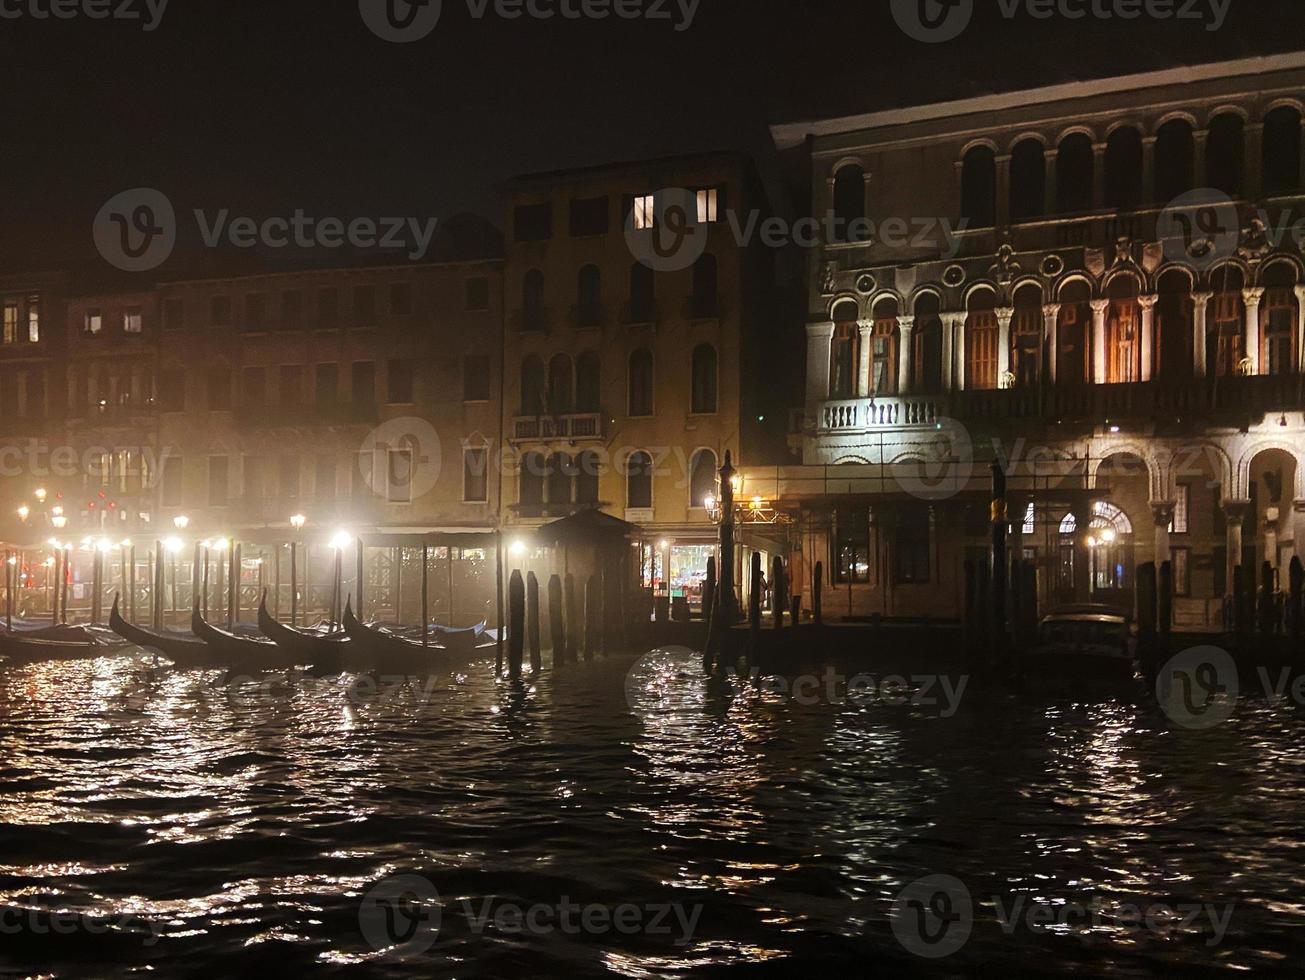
1124	169
475	378
642	294
1174	157
292	392
1028	180
912	551
588	216
364	305
475	475
849	204
172	390
589	297
173	481
328	308
979	187
217	481
362	382
531	480
324	478
851	545
533	222
256	311
586	478
255	487
702	478
220	311
704	299
219	389
478	293
534	385
559	485
399	381
532	301
588	389
1225	149
641	382
638	480
401	298
560	390
289	473
1075	165
292	309
253	386
704	379
328	384
1281	151
174	313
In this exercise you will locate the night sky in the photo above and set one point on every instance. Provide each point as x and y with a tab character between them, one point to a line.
262	106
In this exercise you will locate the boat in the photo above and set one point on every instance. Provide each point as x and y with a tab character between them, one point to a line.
383	650
461	641
1083	646
241	650
323	650
180	649
61	642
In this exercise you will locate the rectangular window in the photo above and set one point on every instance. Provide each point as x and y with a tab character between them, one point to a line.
1227	335
362	382
93	322
324	478
174	313
291	385
328	309
220	311
289	474
1181	558
588	216
328	384
981	350
133	320
401	299
1279	313
364	306
478	293
851	545
912	551
11	323
1182	507
33	319
475	475
533	222
253	386
708	205
475	378
256	311
292	309
219	389
173	488
1030	523
172	390
399	381
255	486
398	476
217	481
363	476
645	211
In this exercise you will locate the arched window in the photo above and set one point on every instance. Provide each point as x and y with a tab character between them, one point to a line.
1278	353
588	388
1173	327
533	470
884	338
979	187
849	203
638	481
981	341
641	382
704	379
1225	148
642	308
928	343
702	477
1028	180
532	300
1225	338
1074	174
1123	332
560	392
1026	337
1281	151
843	351
533	386
1074	335
587	468
589	293
1174	154
559	479
703	302
1124	169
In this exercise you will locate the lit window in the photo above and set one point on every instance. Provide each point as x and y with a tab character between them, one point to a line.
11	323
131	320
1030	523
94	322
645	210
1182	503
33	319
707	205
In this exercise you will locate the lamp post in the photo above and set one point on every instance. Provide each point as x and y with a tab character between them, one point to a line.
339	541
297	522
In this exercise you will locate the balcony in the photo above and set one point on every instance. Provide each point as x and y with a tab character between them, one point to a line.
867	414
543	428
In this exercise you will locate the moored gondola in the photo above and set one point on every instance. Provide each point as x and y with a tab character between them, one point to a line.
386	652
323	651
57	643
242	651
181	650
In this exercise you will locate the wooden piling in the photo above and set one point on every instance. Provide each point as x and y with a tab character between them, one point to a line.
593	616
556	620
574	618
516	623
1147	640
97	582
1238	600
778	597
754	607
817	590
532	623
1295	614
1165	599
1000	530
1268	621
425	594
709	590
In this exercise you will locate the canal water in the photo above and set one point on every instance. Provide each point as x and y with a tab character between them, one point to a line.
632	819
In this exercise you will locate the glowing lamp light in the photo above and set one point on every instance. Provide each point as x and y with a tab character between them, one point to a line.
341	540
181	522
221	544
57	511
40	494
13	559
49	562
24	512
518	549
709	502
756	503
298	521
1108	536
58	520
173	545
664	544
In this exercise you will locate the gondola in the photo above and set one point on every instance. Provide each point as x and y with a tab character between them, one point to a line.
322	651
179	649
459	642
60	642
239	650
385	651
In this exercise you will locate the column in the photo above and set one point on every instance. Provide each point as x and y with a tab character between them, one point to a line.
1082	511
1300	321
1199	138
1234	512
1099	307
958	348
1098	176
1148	335
1148	169
1050	320
906	327
1252	298
1004	315
1162	513
829	195
820	338
1253	161
1200	307
948	359
1003	190
1271	516
865	334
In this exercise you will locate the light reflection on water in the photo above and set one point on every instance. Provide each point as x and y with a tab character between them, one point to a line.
243	830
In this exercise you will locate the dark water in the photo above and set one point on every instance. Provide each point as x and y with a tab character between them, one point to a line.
224	831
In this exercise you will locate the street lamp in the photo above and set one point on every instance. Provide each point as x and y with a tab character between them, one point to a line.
40	495
24	512
181	522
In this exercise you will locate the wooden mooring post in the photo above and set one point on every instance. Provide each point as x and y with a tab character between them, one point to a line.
817	592
516	623
556	622
532	622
